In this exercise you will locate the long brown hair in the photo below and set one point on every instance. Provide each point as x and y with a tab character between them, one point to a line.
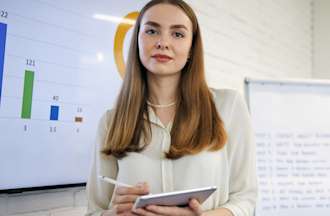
197	125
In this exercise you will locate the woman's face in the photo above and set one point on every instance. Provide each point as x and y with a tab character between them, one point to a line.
164	39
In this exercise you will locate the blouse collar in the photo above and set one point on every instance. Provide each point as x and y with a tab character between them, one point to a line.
154	119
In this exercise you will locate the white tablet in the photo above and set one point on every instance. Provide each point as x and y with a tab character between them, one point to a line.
176	198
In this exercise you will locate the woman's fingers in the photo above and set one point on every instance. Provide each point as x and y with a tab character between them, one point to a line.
121	208
113	213
125	197
119	199
143	212
127	214
140	189
169	210
196	207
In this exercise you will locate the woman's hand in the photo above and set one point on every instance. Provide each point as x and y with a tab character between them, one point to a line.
125	198
194	209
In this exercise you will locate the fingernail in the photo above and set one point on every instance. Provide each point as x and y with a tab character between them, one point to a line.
138	211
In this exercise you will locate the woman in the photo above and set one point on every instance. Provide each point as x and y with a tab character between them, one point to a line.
168	130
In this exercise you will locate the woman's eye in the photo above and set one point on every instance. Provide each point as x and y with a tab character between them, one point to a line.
178	35
151	31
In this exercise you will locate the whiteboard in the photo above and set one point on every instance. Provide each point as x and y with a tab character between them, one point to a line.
57	77
291	120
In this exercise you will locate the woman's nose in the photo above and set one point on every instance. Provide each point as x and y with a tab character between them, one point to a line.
162	44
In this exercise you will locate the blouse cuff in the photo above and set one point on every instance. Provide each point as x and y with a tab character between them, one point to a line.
97	213
238	209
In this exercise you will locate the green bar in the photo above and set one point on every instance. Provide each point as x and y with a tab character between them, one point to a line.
27	94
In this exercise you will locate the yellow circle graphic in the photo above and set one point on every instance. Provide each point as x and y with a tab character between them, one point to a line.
124	26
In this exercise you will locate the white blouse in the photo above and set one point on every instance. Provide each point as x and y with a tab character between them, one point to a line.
232	169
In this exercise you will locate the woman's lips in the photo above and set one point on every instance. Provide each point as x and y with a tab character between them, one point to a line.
162	58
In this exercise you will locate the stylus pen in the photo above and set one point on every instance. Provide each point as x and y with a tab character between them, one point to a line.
112	181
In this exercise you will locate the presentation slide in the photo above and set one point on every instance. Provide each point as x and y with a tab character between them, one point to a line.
61	67
292	126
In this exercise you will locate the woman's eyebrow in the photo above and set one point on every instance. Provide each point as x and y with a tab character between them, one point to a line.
179	26
152	23
155	24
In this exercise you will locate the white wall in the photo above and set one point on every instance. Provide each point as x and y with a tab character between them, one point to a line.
321	41
255	38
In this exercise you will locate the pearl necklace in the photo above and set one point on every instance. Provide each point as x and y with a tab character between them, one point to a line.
161	105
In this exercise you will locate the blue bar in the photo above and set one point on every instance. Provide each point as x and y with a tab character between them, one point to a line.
54	110
3	33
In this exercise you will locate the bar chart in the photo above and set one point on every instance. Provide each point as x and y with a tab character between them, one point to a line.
54	110
3	34
57	78
27	94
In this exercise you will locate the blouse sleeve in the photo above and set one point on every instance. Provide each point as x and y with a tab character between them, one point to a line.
99	193
242	161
